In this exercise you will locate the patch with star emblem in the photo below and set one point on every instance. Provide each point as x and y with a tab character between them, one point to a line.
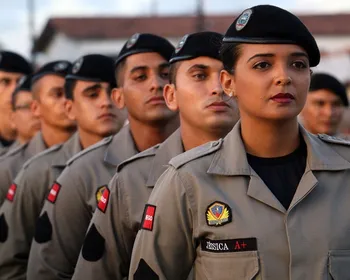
181	43
218	214
99	193
132	41
60	66
77	65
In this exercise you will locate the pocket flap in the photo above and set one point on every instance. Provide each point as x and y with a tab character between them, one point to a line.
339	264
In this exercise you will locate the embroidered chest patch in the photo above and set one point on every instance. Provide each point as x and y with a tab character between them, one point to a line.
218	214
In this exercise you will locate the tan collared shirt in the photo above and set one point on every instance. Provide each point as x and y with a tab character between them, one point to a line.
211	210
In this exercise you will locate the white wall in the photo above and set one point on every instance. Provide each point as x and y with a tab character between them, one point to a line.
63	47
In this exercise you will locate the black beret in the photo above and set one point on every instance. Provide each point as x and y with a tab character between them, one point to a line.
326	81
24	84
93	67
59	68
198	44
266	24
13	62
141	43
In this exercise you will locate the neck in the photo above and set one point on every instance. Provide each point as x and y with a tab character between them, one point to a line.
88	139
53	135
23	139
266	139
148	135
193	137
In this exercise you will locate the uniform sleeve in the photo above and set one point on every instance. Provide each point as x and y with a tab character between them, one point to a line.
164	247
5	178
60	230
107	248
19	218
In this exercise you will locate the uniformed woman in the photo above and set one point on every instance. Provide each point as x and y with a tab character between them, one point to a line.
270	201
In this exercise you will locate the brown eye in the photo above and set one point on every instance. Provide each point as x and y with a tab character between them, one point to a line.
299	65
262	65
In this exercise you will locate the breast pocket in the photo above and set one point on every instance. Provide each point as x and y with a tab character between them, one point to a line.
339	264
230	266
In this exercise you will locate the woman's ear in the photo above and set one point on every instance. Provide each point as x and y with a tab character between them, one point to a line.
228	83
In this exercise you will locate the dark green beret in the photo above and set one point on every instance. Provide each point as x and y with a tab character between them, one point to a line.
266	24
142	43
93	67
13	62
196	45
59	68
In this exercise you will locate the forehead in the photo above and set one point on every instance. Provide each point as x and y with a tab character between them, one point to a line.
210	63
10	75
149	60
51	81
81	85
324	95
276	49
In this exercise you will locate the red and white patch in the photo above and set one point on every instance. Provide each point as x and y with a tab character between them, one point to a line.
148	217
11	192
102	204
53	194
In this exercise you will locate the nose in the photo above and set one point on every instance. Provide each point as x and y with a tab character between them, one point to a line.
157	84
106	100
283	78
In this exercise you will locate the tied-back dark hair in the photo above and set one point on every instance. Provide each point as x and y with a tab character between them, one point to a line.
229	54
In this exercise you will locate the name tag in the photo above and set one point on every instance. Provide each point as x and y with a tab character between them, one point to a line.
229	245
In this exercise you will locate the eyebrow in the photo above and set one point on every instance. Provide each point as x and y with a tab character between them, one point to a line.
54	89
138	68
294	54
93	87
198	66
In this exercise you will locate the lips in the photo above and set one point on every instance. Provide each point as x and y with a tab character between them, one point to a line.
283	98
156	100
107	115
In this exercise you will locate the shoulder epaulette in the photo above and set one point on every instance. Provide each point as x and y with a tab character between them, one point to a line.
333	139
45	152
16	150
103	142
146	153
195	153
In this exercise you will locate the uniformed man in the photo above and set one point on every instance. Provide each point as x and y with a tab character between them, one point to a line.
23	119
325	105
142	71
88	86
205	115
48	104
12	68
270	201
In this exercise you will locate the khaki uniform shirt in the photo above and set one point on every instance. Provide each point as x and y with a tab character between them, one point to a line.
14	160
67	212
108	245
21	210
211	210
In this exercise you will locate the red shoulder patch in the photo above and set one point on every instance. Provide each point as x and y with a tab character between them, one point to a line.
102	204
11	192
148	217
53	194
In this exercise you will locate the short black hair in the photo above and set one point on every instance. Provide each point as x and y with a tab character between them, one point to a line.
229	54
119	69
173	72
69	86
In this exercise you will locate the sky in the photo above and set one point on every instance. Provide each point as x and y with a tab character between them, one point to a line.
14	31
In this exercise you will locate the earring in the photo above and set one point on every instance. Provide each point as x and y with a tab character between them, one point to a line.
231	93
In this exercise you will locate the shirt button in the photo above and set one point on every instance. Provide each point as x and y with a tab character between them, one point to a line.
214	144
